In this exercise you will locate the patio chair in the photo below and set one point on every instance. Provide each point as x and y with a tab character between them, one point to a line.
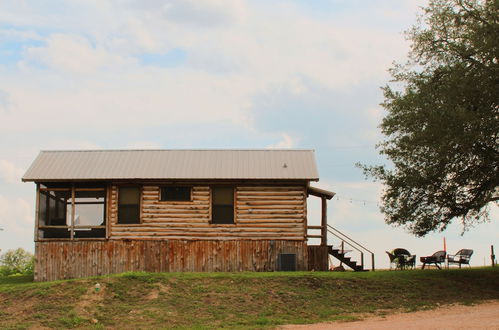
462	257
409	262
436	258
393	259
402	258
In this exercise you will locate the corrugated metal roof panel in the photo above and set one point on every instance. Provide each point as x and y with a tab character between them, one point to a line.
173	164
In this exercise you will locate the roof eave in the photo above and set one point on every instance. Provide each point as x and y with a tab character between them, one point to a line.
162	179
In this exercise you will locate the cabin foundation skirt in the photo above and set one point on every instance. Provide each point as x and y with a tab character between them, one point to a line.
57	260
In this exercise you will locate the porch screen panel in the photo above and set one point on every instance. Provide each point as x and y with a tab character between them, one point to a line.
90	213
52	213
55	213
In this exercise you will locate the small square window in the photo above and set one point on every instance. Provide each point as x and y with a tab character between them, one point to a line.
175	194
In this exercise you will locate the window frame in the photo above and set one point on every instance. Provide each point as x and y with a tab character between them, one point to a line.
160	199
141	190
103	203
72	189
234	205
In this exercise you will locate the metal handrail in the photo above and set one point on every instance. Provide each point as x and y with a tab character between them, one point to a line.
351	239
360	251
350	242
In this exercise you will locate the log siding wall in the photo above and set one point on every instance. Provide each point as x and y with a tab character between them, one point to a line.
261	212
179	236
64	260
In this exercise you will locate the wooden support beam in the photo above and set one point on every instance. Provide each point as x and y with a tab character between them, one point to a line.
37	211
72	211
324	221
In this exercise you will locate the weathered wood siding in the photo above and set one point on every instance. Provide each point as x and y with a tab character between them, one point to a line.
277	212
318	257
75	259
264	212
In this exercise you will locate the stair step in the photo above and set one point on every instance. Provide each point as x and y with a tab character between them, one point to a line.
347	260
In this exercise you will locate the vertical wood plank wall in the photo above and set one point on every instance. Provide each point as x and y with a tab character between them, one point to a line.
74	259
318	257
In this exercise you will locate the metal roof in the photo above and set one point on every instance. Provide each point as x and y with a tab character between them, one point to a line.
173	164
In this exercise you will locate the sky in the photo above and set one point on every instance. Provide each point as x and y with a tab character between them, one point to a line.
138	74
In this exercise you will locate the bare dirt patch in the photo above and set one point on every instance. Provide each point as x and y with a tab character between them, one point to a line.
154	294
482	316
21	308
89	301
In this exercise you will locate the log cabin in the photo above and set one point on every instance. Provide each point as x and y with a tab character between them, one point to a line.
109	211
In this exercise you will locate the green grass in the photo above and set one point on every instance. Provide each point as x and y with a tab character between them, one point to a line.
235	300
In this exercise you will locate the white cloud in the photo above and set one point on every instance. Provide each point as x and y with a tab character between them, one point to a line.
286	142
75	54
137	98
4	100
16	218
93	79
375	115
355	205
10	173
144	145
202	13
14	34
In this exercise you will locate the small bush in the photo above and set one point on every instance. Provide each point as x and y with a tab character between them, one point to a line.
17	261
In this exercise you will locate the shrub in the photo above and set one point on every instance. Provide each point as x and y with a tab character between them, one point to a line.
17	261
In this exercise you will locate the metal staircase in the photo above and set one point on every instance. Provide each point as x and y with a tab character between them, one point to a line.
340	252
346	246
346	260
318	254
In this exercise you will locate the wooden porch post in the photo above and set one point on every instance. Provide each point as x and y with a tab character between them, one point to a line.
37	212
324	222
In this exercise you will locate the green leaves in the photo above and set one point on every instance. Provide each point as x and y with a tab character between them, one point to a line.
16	261
442	128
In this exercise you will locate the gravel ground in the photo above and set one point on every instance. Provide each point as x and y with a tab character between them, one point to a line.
482	316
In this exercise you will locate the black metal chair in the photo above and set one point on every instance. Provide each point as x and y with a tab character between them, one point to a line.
393	259
462	257
402	258
410	262
436	258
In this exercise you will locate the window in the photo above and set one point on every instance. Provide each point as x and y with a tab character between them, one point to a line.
90	213
128	205
175	194
222	207
54	213
62	216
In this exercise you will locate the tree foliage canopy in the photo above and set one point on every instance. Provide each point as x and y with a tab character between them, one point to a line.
442	122
17	261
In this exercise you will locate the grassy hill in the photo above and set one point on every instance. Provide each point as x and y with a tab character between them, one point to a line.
234	300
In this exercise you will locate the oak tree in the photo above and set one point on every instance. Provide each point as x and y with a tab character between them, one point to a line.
442	120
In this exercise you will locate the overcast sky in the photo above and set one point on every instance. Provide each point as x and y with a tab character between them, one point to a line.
108	74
